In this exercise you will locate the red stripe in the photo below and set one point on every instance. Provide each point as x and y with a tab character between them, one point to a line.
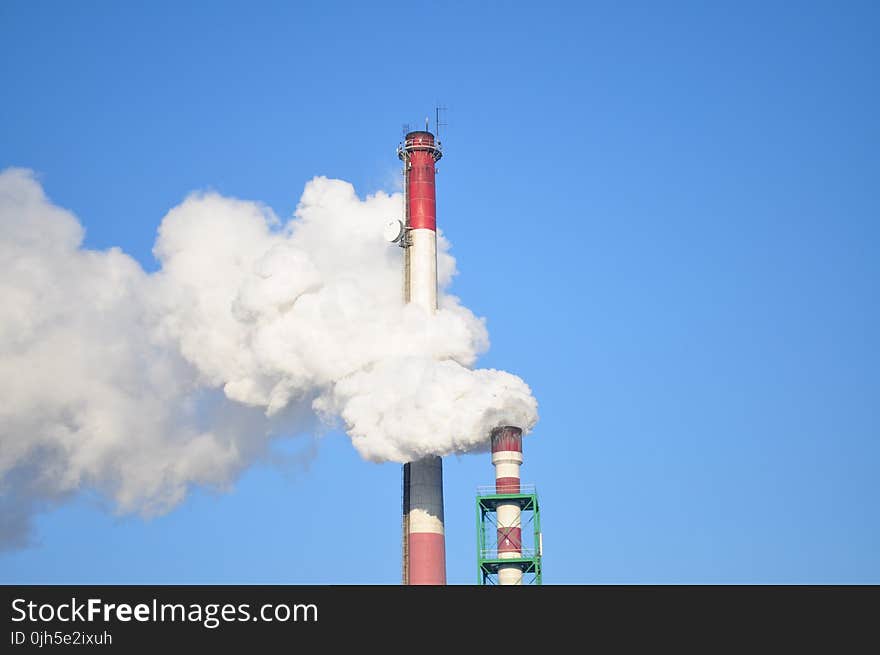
507	485
509	540
427	558
506	438
421	191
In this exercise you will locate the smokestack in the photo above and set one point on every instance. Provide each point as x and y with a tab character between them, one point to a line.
424	543
507	458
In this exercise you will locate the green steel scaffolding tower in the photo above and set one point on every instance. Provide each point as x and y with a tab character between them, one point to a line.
488	559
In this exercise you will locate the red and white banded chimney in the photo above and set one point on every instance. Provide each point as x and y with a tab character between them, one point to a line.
424	543
507	458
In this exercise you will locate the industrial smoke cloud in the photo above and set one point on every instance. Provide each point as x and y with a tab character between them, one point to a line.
140	385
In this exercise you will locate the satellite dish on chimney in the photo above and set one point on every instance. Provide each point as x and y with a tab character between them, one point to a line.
393	230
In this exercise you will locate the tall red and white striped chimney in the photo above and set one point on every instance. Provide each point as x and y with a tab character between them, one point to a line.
507	458
424	542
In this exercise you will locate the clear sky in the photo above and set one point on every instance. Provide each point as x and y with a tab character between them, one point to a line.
668	213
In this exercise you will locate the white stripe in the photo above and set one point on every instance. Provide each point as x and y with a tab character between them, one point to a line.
421	521
508	516
423	268
507	456
507	469
510	575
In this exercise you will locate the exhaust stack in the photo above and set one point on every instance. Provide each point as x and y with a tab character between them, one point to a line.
424	542
507	458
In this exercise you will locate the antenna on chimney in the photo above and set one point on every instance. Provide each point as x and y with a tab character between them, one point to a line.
439	122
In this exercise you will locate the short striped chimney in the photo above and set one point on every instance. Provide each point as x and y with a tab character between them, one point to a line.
507	458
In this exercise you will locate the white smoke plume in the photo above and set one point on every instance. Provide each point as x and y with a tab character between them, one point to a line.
141	385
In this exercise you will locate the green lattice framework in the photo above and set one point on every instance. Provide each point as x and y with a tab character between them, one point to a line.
487	534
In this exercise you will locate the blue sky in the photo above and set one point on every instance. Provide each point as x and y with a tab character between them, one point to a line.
668	215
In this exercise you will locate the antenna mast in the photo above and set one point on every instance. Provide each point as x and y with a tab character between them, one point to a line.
439	122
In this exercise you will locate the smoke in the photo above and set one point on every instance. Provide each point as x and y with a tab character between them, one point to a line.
141	385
